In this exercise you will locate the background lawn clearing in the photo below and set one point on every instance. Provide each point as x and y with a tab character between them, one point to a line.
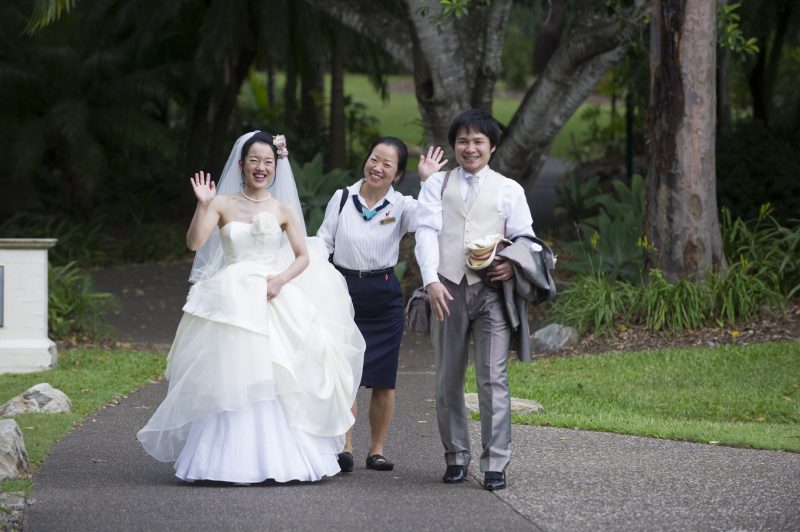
738	395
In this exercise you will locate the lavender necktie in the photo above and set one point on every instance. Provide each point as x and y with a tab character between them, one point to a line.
472	190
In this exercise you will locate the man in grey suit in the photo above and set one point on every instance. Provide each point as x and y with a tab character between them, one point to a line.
457	207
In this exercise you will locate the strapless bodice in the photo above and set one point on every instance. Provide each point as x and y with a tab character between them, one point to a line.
257	241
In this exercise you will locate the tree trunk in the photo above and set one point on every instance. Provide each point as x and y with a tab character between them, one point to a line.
755	82
220	141
456	62
312	78
198	131
682	222
548	35
337	143
569	78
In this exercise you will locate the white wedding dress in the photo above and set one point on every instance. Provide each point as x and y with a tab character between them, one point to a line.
260	389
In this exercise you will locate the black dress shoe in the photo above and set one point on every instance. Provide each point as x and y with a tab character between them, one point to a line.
345	460
494	480
454	474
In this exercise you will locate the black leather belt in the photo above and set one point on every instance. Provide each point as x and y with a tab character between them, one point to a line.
364	273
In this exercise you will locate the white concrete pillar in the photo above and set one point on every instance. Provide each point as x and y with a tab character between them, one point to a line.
24	345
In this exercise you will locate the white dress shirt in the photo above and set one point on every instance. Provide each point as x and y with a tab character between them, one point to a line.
359	244
511	205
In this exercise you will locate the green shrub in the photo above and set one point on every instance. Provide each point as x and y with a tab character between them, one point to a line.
763	270
315	189
578	201
85	242
741	291
765	249
151	241
593	302
74	309
605	133
609	243
661	305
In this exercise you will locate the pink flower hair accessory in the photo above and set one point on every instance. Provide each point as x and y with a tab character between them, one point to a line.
279	141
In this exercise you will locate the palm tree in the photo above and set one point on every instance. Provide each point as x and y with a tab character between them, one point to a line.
78	104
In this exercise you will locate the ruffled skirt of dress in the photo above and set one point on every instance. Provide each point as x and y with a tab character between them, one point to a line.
260	390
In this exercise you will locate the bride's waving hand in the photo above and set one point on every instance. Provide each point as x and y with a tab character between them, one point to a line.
207	214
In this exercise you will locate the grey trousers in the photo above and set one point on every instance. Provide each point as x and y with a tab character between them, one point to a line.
477	311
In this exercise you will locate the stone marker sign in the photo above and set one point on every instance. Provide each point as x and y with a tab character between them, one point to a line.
24	345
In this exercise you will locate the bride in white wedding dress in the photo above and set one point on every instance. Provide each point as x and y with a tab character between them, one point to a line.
267	359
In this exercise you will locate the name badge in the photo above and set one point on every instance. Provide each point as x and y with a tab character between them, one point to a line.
388	221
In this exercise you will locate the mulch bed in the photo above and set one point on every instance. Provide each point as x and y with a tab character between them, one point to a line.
771	326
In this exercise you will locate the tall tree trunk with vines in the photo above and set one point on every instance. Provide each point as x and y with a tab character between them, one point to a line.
682	221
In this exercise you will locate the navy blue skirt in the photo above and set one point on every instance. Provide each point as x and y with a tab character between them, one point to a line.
378	304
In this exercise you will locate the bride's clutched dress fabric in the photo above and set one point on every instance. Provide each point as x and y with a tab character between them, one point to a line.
260	389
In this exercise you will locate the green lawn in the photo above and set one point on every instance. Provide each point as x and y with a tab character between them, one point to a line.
91	378
744	396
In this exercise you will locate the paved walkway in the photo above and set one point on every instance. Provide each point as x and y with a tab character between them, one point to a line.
99	478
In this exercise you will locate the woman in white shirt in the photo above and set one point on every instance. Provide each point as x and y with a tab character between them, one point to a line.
362	232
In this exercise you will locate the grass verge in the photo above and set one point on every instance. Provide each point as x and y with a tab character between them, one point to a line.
736	395
91	378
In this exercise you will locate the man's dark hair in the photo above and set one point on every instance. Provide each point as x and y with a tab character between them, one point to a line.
474	120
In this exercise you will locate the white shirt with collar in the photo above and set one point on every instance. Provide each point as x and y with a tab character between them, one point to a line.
512	205
359	244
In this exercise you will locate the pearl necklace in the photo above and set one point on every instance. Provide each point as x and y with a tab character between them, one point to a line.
253	199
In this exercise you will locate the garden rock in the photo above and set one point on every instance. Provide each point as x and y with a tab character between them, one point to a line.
13	456
552	338
518	406
39	398
12	510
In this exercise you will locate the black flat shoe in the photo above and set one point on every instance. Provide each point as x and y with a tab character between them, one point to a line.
345	460
494	480
379	463
454	475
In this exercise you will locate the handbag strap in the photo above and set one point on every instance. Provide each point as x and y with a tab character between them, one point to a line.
342	202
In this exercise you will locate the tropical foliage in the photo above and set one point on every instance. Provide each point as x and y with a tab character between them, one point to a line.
764	271
610	242
315	188
74	309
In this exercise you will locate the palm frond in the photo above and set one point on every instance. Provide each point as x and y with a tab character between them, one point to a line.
45	12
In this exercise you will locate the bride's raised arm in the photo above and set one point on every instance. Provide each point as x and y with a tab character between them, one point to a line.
206	215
